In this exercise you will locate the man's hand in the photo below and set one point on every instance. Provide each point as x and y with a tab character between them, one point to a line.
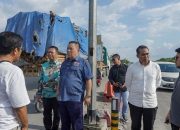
87	100
23	117
122	86
167	119
115	84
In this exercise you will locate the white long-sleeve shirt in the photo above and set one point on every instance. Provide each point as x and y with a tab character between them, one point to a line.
141	82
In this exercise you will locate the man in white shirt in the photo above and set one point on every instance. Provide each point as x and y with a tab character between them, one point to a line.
13	93
142	79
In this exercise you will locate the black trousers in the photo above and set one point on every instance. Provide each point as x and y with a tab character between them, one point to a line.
148	114
51	106
71	115
174	127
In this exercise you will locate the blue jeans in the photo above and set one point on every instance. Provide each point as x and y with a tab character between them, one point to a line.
124	97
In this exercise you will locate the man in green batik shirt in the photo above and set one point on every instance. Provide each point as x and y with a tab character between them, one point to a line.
49	82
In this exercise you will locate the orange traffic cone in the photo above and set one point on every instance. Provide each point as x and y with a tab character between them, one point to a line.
108	91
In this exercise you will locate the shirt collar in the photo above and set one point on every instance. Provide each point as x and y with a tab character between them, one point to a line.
53	62
145	65
118	65
75	59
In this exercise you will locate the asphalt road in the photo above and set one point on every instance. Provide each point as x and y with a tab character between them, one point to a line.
36	119
164	97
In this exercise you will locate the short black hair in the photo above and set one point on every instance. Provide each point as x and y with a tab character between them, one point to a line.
178	50
9	41
75	42
54	47
141	47
116	56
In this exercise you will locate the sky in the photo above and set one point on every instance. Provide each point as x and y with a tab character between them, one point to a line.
123	24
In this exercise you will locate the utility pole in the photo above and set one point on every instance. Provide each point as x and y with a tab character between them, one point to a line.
92	58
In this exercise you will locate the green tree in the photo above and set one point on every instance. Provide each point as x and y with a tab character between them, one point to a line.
167	59
125	61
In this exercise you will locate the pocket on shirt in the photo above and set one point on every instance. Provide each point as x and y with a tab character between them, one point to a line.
75	72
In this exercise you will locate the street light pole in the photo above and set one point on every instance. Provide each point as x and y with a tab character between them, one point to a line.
92	58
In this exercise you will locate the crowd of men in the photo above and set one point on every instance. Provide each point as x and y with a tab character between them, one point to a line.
66	86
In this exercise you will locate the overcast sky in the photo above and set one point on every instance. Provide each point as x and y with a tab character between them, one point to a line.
123	24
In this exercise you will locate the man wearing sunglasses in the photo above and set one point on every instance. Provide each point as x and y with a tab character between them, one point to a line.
173	115
117	78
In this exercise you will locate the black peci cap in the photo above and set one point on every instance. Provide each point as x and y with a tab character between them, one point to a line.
178	50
